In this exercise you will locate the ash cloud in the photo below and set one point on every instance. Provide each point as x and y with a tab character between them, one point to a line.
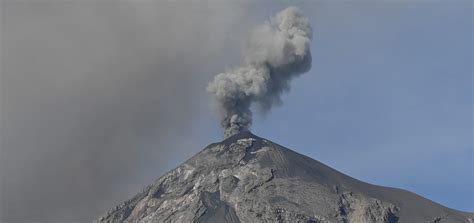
277	52
98	98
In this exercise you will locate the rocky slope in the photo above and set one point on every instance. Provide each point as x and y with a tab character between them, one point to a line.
249	179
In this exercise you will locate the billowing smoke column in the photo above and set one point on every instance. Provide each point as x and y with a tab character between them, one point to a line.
278	51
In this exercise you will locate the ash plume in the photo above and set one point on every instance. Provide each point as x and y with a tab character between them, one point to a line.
277	51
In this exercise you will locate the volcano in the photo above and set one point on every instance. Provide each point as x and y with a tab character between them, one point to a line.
246	178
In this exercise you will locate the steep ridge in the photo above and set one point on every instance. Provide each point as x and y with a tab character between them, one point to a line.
249	179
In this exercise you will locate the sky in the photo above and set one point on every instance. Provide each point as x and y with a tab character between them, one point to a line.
100	99
389	97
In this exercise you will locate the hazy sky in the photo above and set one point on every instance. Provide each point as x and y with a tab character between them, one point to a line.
98	99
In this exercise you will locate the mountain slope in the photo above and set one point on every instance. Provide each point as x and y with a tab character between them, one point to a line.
249	179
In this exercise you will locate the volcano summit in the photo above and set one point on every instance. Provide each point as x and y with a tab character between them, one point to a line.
246	178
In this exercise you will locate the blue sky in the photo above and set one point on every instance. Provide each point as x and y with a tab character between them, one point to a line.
389	97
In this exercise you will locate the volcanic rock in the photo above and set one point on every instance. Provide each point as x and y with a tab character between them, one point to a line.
246	178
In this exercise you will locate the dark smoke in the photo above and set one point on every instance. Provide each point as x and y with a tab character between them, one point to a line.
278	51
98	98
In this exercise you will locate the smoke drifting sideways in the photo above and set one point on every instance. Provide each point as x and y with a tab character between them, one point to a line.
277	52
99	98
